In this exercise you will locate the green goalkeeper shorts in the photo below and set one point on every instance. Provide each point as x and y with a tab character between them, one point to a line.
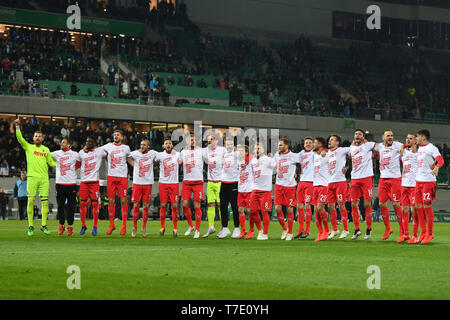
35	184
213	191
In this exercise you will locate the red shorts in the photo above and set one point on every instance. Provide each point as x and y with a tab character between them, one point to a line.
390	189
337	192
168	192
284	196
244	199
320	195
361	188
141	192
192	187
261	200
89	190
305	192
408	196
117	184
425	192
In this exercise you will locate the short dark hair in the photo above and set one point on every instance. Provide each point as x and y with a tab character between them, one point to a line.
424	132
309	138
338	137
285	140
119	131
322	141
67	139
386	130
361	130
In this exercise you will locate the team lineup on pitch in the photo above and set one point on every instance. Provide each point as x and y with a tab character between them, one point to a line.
242	178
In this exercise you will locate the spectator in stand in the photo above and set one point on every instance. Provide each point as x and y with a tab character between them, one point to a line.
74	89
154	83
112	70
20	194
4	168
3	203
103	92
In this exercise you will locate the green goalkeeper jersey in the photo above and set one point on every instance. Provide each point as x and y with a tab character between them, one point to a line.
38	158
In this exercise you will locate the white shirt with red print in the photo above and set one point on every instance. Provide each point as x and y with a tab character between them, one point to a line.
362	166
168	167
143	167
214	158
409	160
320	177
337	159
389	160
245	177
286	167
231	162
262	173
427	155
90	164
66	161
117	159
307	165
192	164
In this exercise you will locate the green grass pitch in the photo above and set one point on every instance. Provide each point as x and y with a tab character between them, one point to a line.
120	267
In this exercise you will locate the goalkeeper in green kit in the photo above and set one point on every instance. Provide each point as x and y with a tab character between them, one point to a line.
38	160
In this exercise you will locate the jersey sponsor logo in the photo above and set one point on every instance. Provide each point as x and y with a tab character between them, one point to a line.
144	168
282	170
39	154
406	169
356	162
189	162
168	167
243	177
384	161
89	165
115	160
64	166
331	167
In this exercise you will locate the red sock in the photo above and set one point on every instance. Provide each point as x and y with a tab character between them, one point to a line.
266	222
369	217
135	216
290	221
317	217
333	217
405	223
385	217
162	217
301	219
422	220
144	217
175	218
124	215
242	223
280	217
257	220
398	213
187	212
83	213
324	218
344	217
415	224
112	213
430	219
355	216
95	209
198	218
308	217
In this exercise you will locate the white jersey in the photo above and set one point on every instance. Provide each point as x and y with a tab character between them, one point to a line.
168	167
245	178
426	157
307	164
389	160
336	162
192	164
286	167
262	173
320	170
90	164
117	159
65	166
143	167
214	159
231	162
362	166
409	160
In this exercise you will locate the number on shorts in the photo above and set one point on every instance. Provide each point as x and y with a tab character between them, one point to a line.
323	198
266	205
426	197
340	197
307	198
370	191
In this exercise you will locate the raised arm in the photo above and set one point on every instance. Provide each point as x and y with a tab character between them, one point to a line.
19	136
